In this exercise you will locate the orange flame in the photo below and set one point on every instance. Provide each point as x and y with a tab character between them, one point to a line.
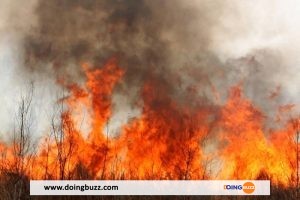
248	153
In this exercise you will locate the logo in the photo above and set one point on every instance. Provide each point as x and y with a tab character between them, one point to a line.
247	187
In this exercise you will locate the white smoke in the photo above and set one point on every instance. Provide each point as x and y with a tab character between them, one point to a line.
17	18
268	30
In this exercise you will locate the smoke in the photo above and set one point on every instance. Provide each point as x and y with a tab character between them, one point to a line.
165	41
201	44
258	42
144	35
17	19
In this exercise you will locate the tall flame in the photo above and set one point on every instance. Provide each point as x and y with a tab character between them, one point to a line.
252	152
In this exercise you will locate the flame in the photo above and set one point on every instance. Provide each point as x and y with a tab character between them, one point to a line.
249	153
165	142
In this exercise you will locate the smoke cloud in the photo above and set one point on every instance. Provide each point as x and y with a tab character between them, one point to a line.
202	44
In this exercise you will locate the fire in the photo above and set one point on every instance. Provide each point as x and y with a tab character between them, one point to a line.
71	150
248	152
164	142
